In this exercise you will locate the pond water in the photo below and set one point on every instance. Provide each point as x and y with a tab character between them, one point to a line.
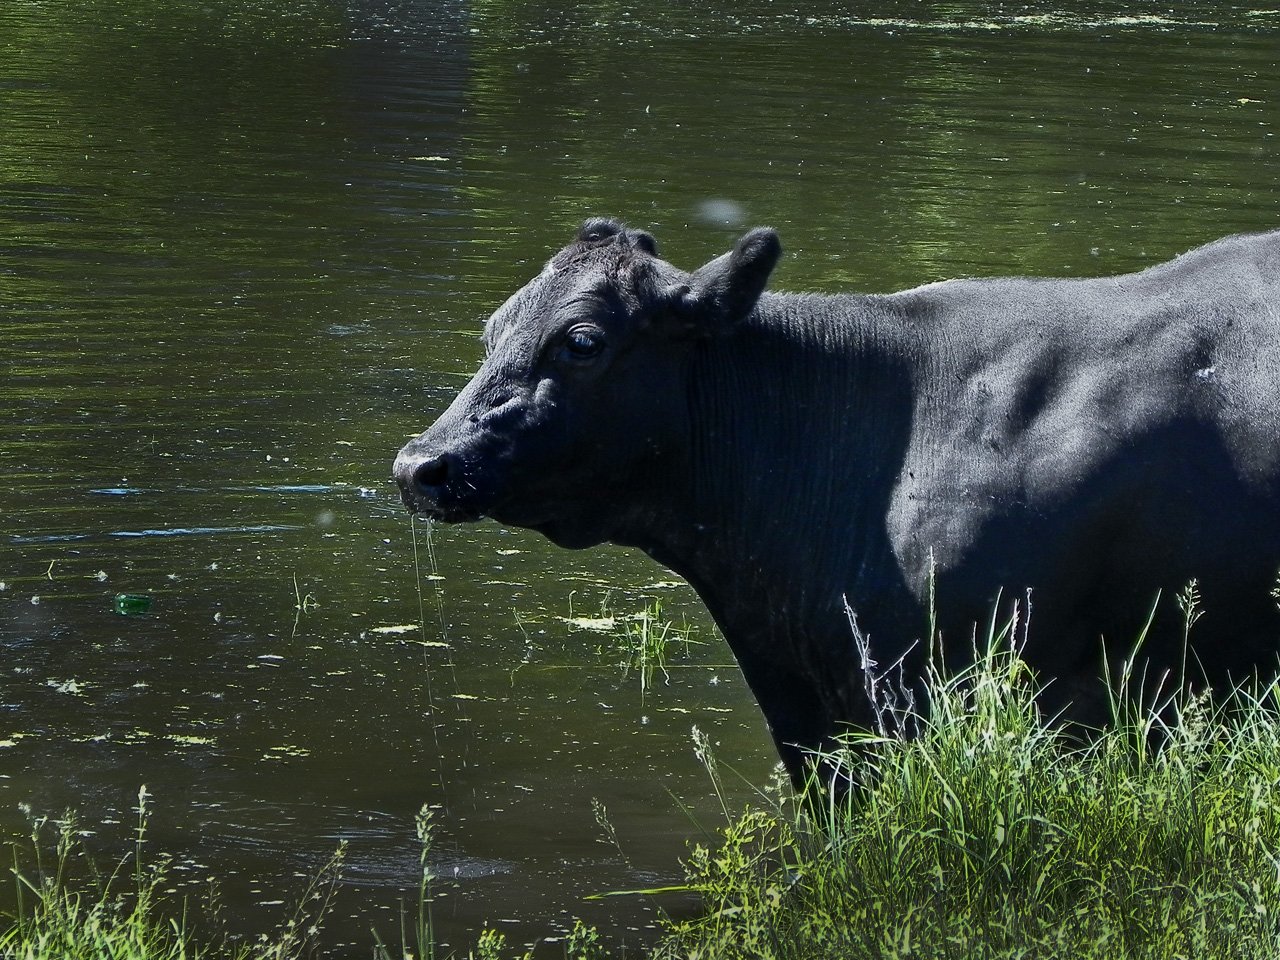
246	252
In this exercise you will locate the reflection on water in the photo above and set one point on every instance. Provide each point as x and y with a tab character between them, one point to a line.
245	252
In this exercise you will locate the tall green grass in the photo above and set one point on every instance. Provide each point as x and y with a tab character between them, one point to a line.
993	834
66	909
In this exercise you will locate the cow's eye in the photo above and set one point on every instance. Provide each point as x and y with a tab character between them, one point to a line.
583	343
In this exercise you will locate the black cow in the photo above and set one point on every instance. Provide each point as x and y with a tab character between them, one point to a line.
1095	441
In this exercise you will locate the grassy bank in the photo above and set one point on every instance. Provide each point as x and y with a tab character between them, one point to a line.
993	835
988	835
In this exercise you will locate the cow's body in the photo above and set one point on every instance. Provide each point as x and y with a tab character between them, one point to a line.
1095	441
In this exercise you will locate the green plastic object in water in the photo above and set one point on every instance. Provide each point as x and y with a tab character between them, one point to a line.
131	603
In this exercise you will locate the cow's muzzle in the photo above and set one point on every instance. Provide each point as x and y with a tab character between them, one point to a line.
433	485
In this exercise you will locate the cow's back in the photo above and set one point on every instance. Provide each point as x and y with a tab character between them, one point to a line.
1099	440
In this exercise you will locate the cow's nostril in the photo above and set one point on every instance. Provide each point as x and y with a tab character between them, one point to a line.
432	473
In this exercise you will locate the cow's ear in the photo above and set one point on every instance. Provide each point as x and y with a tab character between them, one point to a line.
721	294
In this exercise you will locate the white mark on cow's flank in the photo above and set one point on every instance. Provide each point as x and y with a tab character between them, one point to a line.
1205	374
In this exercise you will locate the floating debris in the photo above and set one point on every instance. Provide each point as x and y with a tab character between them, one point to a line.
285	750
196	531
130	604
72	686
401	629
596	624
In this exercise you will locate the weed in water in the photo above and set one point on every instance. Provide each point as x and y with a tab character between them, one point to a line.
299	935
641	643
302	603
423	938
645	642
601	814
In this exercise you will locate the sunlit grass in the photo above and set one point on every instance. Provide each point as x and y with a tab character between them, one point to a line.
65	909
993	834
112	917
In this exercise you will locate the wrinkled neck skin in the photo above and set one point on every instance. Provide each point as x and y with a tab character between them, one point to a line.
798	436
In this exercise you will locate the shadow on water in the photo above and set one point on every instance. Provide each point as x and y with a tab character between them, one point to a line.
245	251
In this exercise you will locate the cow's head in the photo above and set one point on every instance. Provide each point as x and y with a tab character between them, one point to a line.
581	404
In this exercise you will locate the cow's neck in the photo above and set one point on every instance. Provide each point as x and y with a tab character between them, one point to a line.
800	421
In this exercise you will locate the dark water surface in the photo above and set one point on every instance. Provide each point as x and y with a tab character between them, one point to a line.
244	253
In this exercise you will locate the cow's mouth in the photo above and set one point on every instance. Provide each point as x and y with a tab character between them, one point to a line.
436	488
434	510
